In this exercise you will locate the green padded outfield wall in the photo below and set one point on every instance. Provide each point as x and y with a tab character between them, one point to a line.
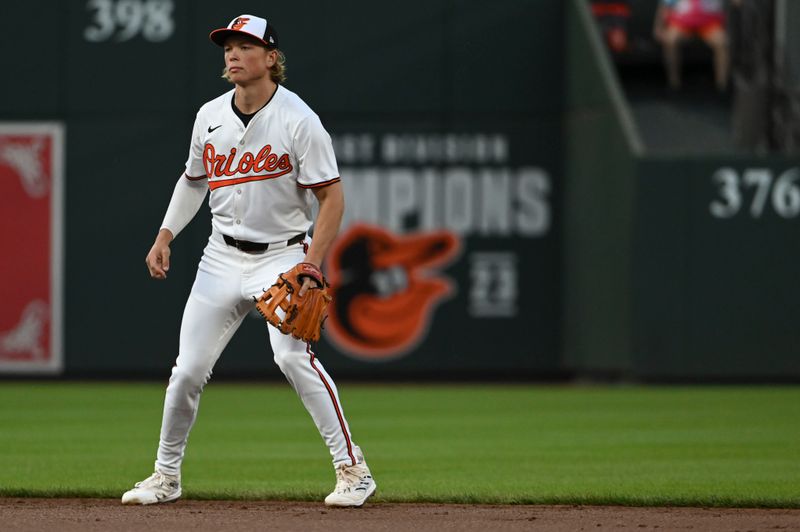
599	168
715	291
446	119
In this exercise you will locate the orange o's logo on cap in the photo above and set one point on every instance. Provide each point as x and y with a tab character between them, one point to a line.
239	22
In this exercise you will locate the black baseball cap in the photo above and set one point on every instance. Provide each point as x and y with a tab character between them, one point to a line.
249	25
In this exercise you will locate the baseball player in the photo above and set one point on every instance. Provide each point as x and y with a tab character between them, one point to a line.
265	157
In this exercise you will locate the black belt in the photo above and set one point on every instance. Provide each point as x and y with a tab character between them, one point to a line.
257	247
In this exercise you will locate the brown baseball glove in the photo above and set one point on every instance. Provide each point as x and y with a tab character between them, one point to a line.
302	316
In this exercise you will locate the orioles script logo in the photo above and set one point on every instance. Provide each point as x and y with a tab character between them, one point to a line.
264	161
239	22
384	290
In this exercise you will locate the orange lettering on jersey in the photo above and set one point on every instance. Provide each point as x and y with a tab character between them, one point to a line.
228	172
211	160
265	161
246	164
260	164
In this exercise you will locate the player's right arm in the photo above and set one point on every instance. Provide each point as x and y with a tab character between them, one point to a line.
189	194
185	202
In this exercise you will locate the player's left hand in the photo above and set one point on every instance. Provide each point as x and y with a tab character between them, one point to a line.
307	283
302	295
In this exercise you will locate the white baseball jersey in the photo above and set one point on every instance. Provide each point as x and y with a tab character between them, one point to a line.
260	175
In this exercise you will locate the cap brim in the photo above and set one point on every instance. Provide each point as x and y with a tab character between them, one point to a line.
218	36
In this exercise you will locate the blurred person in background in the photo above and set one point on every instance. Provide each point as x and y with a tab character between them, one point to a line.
612	17
677	21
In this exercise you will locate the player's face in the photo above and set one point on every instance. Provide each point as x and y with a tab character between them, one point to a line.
246	60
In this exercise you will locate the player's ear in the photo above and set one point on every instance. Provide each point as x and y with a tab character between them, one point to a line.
272	57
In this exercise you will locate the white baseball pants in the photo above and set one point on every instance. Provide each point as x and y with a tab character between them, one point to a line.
222	295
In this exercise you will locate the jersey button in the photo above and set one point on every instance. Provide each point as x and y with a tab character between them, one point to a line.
239	191
238	222
241	142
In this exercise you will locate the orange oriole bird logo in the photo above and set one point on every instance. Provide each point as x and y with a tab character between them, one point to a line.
385	289
239	22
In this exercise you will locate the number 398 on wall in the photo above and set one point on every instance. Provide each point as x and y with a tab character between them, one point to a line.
123	20
734	191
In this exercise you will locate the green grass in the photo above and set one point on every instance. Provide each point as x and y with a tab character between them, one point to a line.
721	446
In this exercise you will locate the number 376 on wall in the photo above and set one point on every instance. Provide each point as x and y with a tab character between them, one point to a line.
734	188
123	20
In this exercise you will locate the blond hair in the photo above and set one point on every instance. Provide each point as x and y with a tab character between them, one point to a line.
277	72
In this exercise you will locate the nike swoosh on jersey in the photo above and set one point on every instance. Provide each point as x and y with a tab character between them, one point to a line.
212	129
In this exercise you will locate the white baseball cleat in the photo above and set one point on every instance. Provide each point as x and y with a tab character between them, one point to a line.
354	485
158	487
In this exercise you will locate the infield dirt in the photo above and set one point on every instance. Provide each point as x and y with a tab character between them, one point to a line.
109	514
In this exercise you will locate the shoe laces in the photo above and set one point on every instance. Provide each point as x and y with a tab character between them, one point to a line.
158	480
352	478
